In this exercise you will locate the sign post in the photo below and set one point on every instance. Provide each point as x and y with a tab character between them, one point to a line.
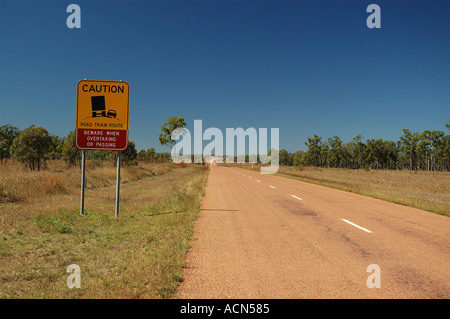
83	171
102	122
118	184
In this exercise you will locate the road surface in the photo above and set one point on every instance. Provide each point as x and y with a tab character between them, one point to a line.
263	236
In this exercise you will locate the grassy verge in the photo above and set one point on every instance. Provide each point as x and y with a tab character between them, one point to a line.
138	255
429	191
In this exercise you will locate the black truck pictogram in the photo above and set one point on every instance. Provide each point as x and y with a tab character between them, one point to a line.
99	107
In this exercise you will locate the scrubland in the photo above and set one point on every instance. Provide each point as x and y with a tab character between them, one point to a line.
140	254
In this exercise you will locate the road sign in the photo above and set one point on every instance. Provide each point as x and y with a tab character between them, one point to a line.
102	115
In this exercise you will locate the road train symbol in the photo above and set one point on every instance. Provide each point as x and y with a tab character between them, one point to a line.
99	108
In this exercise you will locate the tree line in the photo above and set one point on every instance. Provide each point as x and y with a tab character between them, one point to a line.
429	150
33	146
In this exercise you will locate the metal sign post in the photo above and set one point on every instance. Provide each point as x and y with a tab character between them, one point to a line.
117	184
83	171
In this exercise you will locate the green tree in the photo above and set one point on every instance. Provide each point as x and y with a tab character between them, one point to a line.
389	155
378	153
147	155
172	124
150	154
99	156
142	156
408	145
56	147
355	150
313	155
436	139
335	152
427	151
285	157
129	155
424	151
443	153
31	147
7	135
297	158
70	152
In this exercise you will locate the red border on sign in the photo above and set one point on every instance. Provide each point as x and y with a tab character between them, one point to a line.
81	139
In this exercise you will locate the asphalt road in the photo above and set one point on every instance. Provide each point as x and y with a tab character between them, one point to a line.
263	236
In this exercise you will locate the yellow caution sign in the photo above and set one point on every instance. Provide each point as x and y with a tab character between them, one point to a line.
102	114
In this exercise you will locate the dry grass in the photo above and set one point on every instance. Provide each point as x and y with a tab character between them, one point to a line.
138	255
19	184
424	190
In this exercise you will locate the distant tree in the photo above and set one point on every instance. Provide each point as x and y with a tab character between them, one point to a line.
430	144
382	154
297	158
147	155
7	135
436	140
70	152
162	157
56	147
447	125
313	155
427	151
172	124
285	157
150	154
141	155
99	156
335	152
355	150
129	155
444	153
31	147
408	145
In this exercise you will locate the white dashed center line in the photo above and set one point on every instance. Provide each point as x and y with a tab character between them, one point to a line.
296	197
357	226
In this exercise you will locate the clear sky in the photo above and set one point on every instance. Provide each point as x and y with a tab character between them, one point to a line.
305	67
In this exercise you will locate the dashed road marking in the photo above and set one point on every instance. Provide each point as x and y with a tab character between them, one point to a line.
357	226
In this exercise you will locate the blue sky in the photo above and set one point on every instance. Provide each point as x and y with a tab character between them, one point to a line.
305	67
